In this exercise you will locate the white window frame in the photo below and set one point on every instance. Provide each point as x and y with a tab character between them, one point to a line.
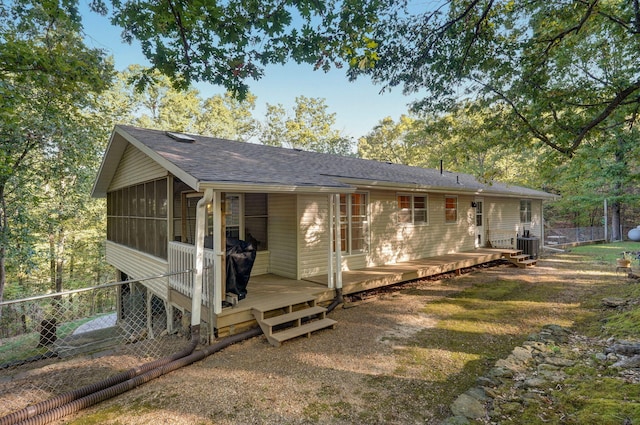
230	213
412	209
526	211
347	220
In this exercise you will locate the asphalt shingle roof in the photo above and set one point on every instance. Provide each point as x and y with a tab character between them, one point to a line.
212	160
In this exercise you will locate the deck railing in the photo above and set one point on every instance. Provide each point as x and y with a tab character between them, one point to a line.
502	238
181	257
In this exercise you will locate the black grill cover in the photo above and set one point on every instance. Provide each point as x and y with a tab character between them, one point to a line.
240	258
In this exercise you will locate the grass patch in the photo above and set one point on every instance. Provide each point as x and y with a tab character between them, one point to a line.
485	321
607	253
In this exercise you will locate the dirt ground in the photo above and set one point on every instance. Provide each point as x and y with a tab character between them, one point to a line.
355	373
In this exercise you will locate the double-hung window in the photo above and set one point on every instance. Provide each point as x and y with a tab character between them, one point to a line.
525	211
412	209
354	223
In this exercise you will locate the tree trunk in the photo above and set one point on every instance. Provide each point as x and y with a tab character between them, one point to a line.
618	189
3	238
615	221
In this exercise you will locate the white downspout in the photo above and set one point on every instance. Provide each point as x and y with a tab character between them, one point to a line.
338	237
331	284
201	223
218	253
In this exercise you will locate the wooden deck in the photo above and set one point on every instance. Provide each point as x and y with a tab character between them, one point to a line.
265	289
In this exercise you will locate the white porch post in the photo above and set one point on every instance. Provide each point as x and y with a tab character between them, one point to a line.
201	226
336	221
330	213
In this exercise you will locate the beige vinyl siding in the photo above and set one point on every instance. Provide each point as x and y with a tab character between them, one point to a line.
313	234
282	230
138	265
385	242
261	265
135	167
502	214
392	242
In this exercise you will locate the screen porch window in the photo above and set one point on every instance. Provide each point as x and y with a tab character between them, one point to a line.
354	224
525	211
245	216
137	217
412	209
451	209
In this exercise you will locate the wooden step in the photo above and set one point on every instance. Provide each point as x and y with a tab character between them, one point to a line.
277	338
291	311
528	263
520	257
294	316
524	262
285	303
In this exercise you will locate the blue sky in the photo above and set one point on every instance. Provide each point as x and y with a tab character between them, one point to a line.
358	105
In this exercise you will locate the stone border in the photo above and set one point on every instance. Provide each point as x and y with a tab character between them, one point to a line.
525	375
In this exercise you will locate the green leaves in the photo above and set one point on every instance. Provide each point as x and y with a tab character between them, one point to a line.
229	43
561	68
310	127
49	82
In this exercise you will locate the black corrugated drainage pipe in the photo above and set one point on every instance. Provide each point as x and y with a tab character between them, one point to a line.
337	300
129	384
57	407
70	396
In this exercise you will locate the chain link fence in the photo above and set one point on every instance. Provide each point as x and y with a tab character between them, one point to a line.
572	235
53	344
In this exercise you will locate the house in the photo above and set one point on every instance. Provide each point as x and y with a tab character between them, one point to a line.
173	199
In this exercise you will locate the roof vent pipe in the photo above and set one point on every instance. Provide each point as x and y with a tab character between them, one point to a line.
457	179
441	169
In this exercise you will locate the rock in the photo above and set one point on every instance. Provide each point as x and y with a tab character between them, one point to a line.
522	354
478	393
512	364
554	376
468	407
536	345
614	302
628	362
535	383
487	381
500	372
560	361
612	357
626	349
601	357
546	366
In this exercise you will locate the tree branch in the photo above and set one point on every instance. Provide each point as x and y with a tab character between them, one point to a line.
575	29
181	30
612	105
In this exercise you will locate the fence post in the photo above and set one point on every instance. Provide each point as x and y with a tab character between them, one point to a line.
47	332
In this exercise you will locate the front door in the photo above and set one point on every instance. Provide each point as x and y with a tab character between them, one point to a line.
480	242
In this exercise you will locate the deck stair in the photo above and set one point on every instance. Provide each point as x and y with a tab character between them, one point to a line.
519	259
291	317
